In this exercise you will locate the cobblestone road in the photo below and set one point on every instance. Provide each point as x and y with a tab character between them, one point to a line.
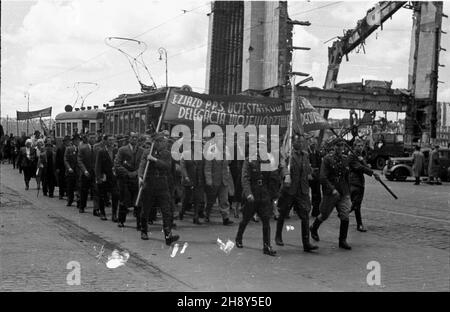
409	237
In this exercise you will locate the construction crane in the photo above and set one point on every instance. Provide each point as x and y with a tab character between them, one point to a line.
353	38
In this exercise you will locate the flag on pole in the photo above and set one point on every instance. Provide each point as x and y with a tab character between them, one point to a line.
303	118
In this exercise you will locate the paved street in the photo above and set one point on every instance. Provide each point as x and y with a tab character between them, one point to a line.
409	237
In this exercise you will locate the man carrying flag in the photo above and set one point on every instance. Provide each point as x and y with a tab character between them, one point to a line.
296	169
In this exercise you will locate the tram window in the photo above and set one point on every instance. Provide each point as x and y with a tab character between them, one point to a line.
142	123
116	124
100	127
92	130
136	121
63	129
75	127
69	128
126	123
58	129
121	123
132	121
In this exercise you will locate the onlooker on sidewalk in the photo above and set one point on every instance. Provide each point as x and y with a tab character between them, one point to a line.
418	163
433	166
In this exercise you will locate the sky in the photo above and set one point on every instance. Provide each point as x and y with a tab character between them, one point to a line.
48	47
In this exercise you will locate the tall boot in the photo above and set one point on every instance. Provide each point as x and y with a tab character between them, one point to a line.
307	246
314	228
343	230
279	230
267	249
240	233
170	238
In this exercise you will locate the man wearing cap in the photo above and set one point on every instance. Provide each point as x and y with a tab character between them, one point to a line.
258	191
358	168
71	168
59	165
155	186
28	162
334	178
86	164
126	165
105	176
296	174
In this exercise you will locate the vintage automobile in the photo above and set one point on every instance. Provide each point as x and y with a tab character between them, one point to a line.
400	168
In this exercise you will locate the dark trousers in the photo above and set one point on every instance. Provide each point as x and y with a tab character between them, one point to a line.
87	185
302	206
105	188
264	209
48	184
71	184
316	196
193	195
28	173
128	190
154	197
356	196
61	183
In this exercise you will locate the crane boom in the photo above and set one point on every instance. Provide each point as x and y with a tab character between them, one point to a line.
352	38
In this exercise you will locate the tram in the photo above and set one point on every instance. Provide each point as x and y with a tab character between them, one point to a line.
82	120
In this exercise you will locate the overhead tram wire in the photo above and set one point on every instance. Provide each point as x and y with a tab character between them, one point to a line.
107	50
317	8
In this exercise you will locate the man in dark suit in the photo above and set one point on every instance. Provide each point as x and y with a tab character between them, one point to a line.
295	190
193	179
155	187
60	168
86	164
49	174
126	164
28	162
71	169
106	177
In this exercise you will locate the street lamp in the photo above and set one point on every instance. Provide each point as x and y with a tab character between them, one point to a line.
161	51
27	95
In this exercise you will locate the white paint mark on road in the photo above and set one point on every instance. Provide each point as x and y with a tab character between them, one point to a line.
117	259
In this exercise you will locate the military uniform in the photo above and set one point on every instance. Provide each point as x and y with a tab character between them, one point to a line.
155	192
334	175
296	194
358	167
262	186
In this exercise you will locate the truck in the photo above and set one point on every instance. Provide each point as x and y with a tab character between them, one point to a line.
386	145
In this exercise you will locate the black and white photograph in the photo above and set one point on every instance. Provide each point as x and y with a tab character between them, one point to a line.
224	151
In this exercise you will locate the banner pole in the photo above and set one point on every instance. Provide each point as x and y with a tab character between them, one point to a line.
291	119
158	126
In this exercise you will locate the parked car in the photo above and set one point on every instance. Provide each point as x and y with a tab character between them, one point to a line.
400	168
